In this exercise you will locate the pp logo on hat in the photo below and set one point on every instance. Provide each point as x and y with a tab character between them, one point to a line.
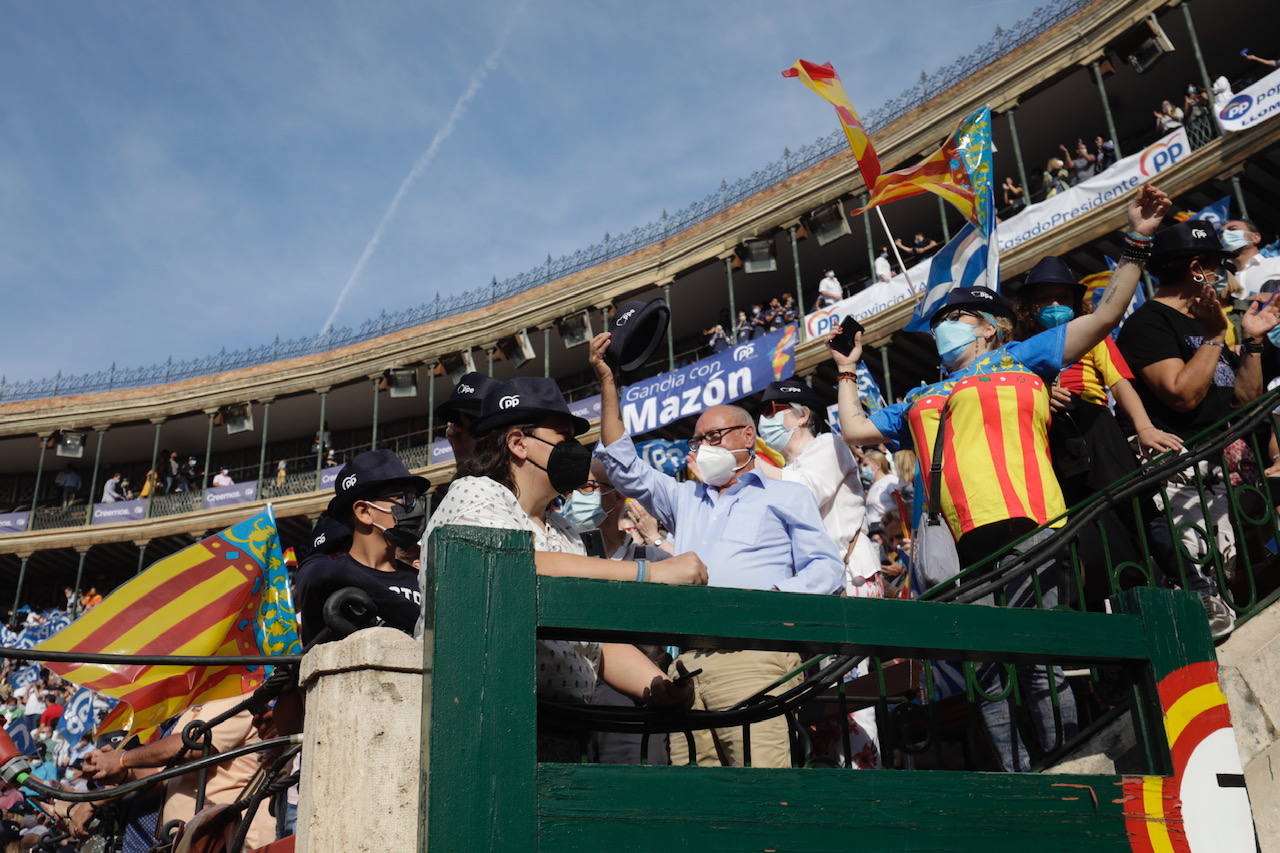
465	389
622	321
980	295
509	402
348	481
319	540
1199	233
789	389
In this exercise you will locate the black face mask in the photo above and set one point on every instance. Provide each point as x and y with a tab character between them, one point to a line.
568	466
411	523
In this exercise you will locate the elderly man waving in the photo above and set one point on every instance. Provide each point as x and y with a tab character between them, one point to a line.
751	532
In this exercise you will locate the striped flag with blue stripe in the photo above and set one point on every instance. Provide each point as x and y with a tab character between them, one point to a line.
968	260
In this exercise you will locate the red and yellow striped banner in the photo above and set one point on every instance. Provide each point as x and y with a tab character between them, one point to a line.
824	80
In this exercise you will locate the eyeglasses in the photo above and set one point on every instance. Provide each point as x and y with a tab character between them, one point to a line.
713	437
594	486
952	316
405	499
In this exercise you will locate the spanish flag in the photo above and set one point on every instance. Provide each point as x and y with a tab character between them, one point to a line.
226	595
824	80
960	172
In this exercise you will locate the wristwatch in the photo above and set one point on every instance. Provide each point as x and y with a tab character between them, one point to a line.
662	537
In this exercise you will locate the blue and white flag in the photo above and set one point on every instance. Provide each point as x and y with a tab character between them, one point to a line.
23	677
868	389
667	456
1218	213
56	620
1271	250
79	717
968	260
20	731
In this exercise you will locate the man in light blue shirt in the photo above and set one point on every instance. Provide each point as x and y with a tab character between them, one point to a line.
751	532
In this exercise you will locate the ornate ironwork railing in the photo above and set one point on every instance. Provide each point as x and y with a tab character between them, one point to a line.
612	246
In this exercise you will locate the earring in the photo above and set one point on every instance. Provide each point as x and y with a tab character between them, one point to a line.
1197	277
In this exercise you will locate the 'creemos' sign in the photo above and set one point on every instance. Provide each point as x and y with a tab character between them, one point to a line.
1076	201
1254	105
721	378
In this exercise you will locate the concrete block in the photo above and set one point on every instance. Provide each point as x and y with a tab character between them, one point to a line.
1109	749
361	743
1262	779
1254	729
1254	649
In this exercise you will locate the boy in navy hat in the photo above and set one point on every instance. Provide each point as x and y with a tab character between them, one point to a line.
384	506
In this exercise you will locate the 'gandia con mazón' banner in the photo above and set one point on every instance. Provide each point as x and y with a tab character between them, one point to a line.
722	378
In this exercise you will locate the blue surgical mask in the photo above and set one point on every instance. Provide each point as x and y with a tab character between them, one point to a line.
867	474
1274	336
774	432
952	338
584	511
1053	316
1233	240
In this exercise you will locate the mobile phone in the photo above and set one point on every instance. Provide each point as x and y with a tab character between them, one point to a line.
687	677
843	341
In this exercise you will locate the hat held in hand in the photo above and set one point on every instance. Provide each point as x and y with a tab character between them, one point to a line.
638	328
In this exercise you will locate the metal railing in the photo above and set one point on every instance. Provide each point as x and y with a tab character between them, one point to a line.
611	247
109	824
485	606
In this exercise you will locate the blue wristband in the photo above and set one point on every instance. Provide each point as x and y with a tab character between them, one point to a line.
642	569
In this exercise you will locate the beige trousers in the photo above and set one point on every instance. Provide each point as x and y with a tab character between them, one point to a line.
727	678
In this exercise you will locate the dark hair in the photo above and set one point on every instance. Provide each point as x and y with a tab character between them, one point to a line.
1172	270
492	457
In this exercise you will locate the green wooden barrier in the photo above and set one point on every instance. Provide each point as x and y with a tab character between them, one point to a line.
483	789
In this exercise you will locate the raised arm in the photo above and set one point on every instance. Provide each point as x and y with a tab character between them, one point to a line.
611	425
855	427
1145	213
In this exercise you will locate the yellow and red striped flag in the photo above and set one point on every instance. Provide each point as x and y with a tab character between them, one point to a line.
959	172
226	595
824	80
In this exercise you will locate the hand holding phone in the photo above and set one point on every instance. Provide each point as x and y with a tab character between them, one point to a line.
844	340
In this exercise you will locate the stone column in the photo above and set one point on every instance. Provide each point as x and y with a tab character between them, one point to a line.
361	741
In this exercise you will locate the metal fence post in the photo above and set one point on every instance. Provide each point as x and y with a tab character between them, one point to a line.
375	381
83	551
93	479
208	449
22	576
795	260
324	397
1195	48
1017	154
155	466
671	335
1238	191
1106	107
35	491
733	308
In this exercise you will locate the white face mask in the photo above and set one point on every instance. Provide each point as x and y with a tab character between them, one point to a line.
716	464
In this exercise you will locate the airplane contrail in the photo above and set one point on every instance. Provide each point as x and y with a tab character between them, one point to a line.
477	80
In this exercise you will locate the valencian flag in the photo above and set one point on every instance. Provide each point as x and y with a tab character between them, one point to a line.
226	595
824	80
960	172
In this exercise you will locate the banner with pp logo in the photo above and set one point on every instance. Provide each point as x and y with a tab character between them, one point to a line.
1254	105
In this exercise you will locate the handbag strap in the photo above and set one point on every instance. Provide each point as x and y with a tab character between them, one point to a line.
934	505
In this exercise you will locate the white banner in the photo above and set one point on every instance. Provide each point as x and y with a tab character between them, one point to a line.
1254	105
1117	181
864	303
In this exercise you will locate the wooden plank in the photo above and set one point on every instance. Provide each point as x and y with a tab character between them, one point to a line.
706	617
588	808
479	784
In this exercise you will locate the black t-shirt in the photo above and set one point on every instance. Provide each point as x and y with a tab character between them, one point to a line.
395	594
1155	332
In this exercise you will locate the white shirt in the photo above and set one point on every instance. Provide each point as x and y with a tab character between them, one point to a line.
830	288
35	705
567	669
223	480
880	498
826	467
1257	272
884	272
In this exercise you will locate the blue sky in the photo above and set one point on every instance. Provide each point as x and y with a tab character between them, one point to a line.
178	177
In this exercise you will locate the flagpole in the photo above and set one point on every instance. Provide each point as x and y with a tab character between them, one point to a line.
910	287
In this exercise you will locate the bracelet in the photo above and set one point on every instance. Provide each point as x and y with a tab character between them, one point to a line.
123	753
1135	254
658	542
844	374
1218	344
642	569
1133	237
1252	347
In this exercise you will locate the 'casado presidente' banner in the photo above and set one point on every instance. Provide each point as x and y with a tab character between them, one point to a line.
722	378
1254	105
1077	201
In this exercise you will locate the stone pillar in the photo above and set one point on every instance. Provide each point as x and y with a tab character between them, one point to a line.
361	743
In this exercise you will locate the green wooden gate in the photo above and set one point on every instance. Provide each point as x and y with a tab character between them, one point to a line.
483	789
